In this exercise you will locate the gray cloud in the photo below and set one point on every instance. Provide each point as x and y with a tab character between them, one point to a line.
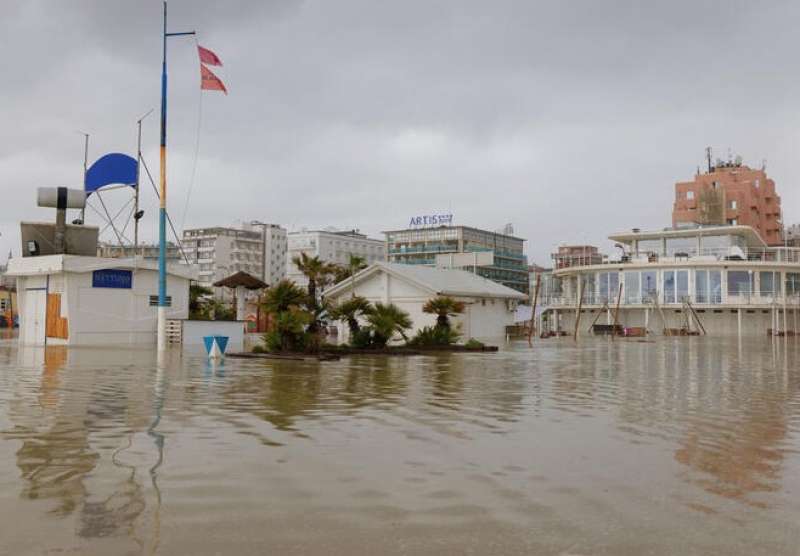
569	119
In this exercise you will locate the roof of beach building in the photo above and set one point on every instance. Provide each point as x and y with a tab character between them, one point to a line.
748	233
440	281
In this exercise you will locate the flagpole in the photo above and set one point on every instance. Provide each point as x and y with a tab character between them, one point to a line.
162	212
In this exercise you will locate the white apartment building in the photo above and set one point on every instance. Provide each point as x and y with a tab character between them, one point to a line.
259	250
275	252
331	246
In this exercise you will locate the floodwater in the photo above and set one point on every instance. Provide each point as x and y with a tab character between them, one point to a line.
677	446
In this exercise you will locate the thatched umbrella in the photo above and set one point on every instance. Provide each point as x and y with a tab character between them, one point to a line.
240	282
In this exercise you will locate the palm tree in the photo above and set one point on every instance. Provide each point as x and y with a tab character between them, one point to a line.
386	320
316	270
283	295
443	307
349	311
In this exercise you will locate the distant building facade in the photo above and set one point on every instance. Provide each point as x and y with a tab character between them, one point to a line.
576	255
145	251
331	246
275	241
219	252
422	246
730	193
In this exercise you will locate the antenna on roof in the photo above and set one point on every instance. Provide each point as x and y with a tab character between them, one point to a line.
708	157
763	164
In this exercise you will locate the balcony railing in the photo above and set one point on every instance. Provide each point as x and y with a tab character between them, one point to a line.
676	256
760	299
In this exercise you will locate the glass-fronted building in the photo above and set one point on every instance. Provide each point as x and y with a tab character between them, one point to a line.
725	276
508	266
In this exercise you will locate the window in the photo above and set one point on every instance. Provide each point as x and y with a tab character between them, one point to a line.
714	185
669	286
649	286
708	286
683	285
632	293
792	283
739	282
757	183
769	283
733	205
690	195
732	221
701	286
608	287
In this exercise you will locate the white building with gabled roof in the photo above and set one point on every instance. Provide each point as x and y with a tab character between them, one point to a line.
489	306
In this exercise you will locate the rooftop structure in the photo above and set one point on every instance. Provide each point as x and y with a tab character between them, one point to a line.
495	255
730	193
576	255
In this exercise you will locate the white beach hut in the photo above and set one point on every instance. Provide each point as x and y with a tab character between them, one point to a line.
489	309
76	300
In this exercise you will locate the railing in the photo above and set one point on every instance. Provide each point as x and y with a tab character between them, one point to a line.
755	298
764	255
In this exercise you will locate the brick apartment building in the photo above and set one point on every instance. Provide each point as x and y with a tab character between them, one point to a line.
730	193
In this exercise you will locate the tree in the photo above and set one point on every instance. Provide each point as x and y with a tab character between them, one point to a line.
350	310
443	307
386	320
355	264
316	270
285	302
282	296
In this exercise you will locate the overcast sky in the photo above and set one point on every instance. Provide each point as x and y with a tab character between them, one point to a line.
569	119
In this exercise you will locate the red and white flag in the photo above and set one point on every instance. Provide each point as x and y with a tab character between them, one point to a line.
209	81
208	57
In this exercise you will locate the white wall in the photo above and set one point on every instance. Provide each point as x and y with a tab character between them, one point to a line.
106	316
194	331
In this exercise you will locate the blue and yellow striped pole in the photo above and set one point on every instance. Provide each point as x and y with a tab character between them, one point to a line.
162	212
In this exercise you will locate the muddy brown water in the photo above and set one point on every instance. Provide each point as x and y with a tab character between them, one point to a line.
680	446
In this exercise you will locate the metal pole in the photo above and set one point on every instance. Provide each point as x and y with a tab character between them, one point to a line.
136	191
162	211
85	168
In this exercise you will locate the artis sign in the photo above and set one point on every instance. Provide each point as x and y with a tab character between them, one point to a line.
431	220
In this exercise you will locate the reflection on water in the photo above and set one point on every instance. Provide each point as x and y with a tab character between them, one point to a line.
683	445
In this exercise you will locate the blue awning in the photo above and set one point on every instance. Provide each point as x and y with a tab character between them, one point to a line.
113	168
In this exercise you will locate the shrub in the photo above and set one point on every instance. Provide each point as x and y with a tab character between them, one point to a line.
272	341
474	344
434	336
259	349
362	338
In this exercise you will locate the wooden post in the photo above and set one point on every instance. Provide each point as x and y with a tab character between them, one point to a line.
616	313
533	309
580	307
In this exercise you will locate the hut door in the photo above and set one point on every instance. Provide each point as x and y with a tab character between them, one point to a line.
33	318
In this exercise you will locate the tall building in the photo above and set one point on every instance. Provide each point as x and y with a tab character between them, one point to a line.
275	252
506	262
730	193
331	246
219	252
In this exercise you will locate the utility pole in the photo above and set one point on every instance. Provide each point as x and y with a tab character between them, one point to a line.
136	214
